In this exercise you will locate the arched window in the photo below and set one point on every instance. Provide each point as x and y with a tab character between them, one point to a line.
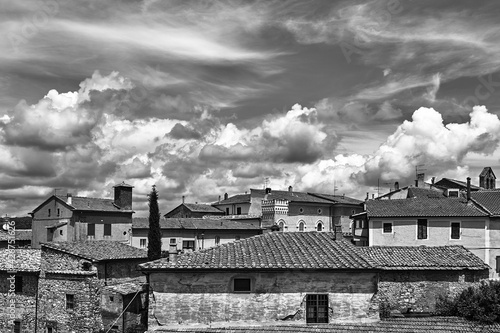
281	224
301	226
319	226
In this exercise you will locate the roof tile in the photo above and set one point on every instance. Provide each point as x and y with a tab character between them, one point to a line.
22	260
489	199
98	250
195	223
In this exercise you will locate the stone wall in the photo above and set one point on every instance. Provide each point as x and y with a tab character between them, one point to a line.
85	317
276	297
417	291
25	302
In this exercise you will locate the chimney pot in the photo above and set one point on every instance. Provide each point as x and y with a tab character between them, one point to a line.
468	189
225	196
69	198
172	253
290	188
396	186
219	199
183	198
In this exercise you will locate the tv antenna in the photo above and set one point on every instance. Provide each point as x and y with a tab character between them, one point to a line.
266	182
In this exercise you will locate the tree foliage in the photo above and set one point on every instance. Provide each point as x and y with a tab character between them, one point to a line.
154	233
481	303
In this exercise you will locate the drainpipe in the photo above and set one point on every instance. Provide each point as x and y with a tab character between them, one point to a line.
36	303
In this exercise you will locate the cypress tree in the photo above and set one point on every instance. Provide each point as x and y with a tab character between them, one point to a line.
154	233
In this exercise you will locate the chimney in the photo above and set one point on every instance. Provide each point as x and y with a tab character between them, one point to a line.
183	198
172	253
225	196
69	198
290	189
433	180
268	190
396	186
337	232
373	195
468	189
367	196
219	199
420	180
123	196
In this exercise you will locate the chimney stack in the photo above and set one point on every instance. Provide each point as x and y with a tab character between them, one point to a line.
123	196
172	253
219	199
225	196
468	189
268	190
69	198
290	188
183	197
396	186
420	180
367	196
433	180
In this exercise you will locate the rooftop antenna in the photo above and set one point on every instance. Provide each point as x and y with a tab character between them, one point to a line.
418	169
266	182
57	189
335	188
378	187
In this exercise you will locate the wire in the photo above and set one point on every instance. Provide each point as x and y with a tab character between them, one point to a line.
121	314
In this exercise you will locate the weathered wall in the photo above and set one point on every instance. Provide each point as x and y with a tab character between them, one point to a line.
494	247
84	317
233	208
111	307
119	269
206	297
417	291
24	307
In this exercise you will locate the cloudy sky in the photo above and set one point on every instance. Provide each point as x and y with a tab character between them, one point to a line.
207	97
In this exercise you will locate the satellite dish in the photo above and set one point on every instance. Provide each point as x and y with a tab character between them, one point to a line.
5	226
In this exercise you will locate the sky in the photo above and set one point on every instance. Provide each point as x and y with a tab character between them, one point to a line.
202	98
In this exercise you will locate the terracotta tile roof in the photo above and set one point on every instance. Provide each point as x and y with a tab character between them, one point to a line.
392	325
489	199
446	182
98	250
341	199
195	223
200	208
22	234
128	286
422	207
424	257
71	272
290	196
420	192
21	260
93	204
235	199
275	250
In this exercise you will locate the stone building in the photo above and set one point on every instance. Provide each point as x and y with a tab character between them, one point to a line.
72	218
487	179
299	278
194	210
191	234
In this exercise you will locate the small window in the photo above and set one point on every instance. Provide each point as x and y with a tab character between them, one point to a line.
49	212
237	238
50	329
217	240
19	284
91	229
111	298
242	285
107	229
58	212
317	309
387	228
455	230
60	232
227	210
173	241
301	210
188	245
301	226
319	211
238	210
142	243
281	224
319	227
498	264
422	229
17	326
70	301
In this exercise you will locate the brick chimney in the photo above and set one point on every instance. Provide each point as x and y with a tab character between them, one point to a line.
123	196
172	253
396	186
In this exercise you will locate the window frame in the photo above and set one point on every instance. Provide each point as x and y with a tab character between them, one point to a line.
18	284
89	228
392	228
459	230
497	261
315	303
70	301
246	291
322	226
301	222
107	227
420	233
238	210
188	242
17	328
143	243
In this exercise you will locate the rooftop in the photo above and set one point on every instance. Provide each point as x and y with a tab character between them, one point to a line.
202	208
98	250
341	199
195	223
22	234
423	207
235	199
489	199
21	260
290	196
275	250
424	257
93	204
458	183
392	325
20	222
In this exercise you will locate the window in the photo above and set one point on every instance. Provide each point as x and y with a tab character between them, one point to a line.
173	241
58	212
17	326
70	301
317	309
19	284
301	210
237	238
91	229
319	211
142	243
319	226
238	210
301	226
227	210
60	232
387	228
498	264
360	224
107	230
422	229
242	285
217	240
188	245
49	212
111	298
281	224
455	230
50	329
